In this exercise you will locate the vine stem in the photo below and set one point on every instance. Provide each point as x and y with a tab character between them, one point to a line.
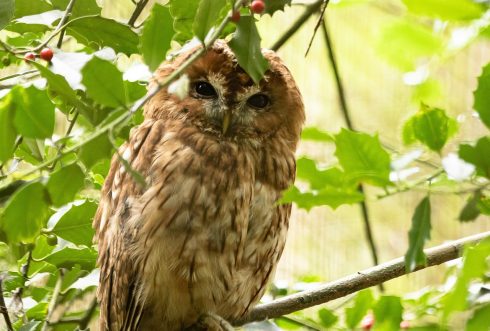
346	113
358	281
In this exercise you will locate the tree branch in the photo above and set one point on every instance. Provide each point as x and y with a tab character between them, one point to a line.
3	309
356	282
64	19
137	12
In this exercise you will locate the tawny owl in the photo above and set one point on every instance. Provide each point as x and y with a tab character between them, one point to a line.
204	236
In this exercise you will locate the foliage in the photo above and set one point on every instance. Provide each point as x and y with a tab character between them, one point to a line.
61	121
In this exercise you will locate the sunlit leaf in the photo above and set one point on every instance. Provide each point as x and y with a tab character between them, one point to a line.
207	17
477	155
68	257
430	126
362	157
29	7
80	8
482	101
25	213
34	112
327	317
76	224
35	23
418	235
156	36
484	205
330	196
7	8
246	46
64	183
38	312
315	134
306	169
104	83
479	321
8	133
108	33
362	303
387	313
445	9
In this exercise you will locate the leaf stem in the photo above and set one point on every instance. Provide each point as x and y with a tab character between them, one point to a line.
64	19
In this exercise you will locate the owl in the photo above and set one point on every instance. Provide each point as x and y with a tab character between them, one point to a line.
196	246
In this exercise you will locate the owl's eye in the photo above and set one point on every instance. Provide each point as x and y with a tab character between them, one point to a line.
205	90
258	101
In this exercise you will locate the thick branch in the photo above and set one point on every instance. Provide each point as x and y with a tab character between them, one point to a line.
137	12
356	282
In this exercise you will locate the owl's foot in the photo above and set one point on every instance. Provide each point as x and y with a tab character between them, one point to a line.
210	322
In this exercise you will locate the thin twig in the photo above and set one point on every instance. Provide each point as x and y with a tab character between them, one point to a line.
64	19
346	113
414	185
3	309
320	20
358	281
309	11
54	298
67	133
28	72
137	12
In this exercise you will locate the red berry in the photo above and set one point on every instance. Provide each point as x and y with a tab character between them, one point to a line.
235	16
257	6
30	56
404	325
46	54
367	322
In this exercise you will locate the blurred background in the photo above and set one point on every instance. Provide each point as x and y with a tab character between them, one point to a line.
383	88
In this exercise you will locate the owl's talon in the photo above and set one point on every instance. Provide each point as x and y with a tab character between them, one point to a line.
210	322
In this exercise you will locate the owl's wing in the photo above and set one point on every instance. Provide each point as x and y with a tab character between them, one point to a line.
117	293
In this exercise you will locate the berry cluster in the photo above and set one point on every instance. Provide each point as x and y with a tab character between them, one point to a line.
45	54
256	7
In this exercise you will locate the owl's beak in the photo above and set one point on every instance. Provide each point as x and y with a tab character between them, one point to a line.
226	121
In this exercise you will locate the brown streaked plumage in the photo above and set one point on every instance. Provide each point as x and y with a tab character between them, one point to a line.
205	235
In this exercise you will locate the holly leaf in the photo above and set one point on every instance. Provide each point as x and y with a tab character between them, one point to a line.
330	196
272	6
34	112
95	150
315	134
453	10
8	133
76	224
68	257
206	17
183	13
471	211
419	233
29	7
104	83
156	37
388	313
362	158
363	301
431	126
25	213
246	46
64	184
7	8
482	102
80	8
477	155
109	33
327	318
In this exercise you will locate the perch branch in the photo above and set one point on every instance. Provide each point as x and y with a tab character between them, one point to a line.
346	113
356	282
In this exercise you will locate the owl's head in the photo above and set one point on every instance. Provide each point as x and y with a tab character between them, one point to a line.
225	102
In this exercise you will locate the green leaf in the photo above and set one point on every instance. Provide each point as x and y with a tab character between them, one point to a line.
7	8
418	235
445	9
30	326
156	37
403	44
34	112
275	5
477	155
25	213
8	133
183	13
64	183
430	126
207	17
362	157
482	101
35	23
76	224
470	211
80	8
109	33
29	7
479	321
474	266
388	313
327	318
38	312
68	257
362	303
104	83
318	179
95	150
484	205
246	46
315	134
330	196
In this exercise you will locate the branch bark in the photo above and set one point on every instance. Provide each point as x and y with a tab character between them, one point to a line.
356	282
